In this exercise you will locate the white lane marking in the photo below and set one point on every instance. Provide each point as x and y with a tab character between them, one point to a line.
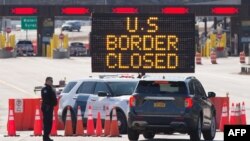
15	87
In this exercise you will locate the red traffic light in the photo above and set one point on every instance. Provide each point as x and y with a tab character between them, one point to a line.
123	10
175	10
24	11
74	10
225	10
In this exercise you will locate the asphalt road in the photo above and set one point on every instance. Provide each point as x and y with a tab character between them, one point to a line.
19	76
25	136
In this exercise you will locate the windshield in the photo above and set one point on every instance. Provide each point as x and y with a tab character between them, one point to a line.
161	87
69	86
122	88
76	44
24	42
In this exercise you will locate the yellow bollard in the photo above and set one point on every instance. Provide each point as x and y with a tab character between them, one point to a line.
66	41
48	51
52	47
7	43
56	41
51	51
213	40
209	49
2	42
12	41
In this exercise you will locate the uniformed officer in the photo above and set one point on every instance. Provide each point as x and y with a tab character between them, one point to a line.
48	102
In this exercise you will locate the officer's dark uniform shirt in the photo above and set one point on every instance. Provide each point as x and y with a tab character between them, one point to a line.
49	96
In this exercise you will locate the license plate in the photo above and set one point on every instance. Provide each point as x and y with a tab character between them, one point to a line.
159	105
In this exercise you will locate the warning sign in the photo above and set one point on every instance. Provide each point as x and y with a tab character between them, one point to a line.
18	105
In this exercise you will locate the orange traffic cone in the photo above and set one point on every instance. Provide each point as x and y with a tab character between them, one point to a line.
99	125
79	123
232	115
114	130
54	126
11	127
198	58
224	117
37	123
107	122
213	57
90	123
242	57
68	131
243	114
238	117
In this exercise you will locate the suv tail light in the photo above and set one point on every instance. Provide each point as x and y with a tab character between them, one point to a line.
188	102
132	101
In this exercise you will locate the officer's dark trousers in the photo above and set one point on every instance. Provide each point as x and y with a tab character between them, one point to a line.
47	120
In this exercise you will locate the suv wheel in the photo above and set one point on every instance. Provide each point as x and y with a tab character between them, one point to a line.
195	135
122	123
133	135
210	134
148	135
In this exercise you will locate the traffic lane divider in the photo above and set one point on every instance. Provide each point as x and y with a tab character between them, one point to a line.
218	104
24	113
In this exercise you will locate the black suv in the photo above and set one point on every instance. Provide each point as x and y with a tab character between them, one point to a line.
71	25
78	49
24	47
169	105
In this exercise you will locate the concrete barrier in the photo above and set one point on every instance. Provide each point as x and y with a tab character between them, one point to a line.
7	54
218	103
24	113
57	54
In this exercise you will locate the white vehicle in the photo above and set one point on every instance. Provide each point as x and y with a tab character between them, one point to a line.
99	93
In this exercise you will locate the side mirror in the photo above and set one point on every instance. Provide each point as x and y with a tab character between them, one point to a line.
211	94
102	94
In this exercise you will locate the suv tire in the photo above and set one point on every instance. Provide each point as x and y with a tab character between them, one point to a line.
210	134
148	135
123	123
195	135
133	135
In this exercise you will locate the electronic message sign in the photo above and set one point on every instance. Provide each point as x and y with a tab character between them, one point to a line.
142	42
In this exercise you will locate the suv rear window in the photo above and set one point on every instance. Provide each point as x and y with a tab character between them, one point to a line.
24	42
69	86
161	87
122	88
76	44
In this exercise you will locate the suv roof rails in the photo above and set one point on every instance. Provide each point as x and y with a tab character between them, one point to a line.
191	77
148	76
116	76
108	76
164	77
